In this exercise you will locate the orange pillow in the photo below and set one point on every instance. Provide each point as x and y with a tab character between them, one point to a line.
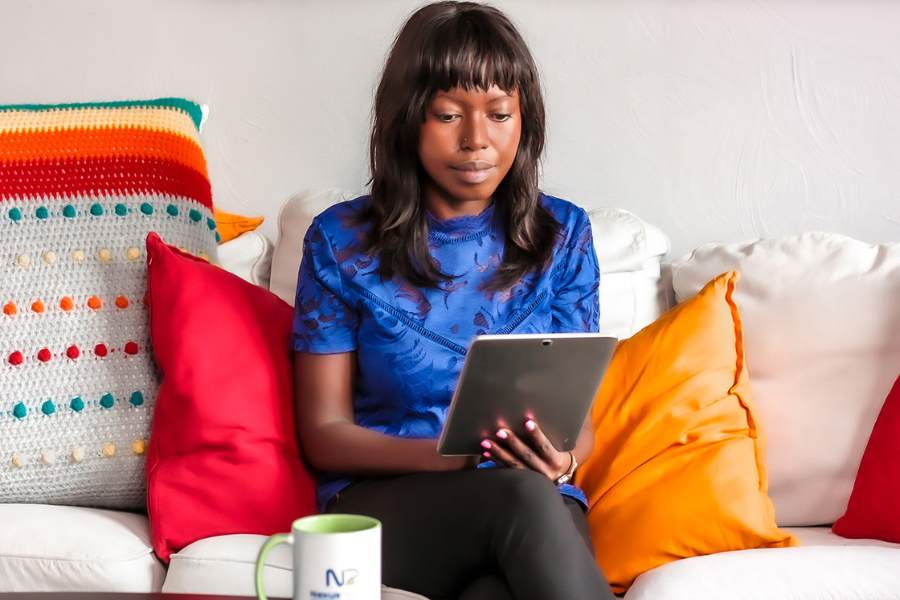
230	225
678	468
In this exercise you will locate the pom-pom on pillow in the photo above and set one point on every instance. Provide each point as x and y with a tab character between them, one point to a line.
81	185
223	456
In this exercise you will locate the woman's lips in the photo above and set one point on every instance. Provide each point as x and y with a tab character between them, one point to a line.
473	173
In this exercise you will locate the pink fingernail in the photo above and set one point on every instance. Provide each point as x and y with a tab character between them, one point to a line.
485	444
502	434
486	454
530	425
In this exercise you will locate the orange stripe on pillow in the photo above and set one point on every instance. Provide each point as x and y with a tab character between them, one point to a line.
101	142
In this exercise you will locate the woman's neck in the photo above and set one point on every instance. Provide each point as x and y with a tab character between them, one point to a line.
443	207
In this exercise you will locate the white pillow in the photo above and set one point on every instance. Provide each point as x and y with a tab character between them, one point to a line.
629	251
821	319
294	219
625	243
249	256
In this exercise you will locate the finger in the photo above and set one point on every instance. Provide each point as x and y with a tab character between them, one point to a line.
538	440
524	452
502	455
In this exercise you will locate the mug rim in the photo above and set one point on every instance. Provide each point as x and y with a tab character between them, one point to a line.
363	523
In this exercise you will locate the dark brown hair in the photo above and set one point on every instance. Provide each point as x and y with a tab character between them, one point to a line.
442	46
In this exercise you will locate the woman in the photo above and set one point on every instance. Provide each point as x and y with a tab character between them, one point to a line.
454	240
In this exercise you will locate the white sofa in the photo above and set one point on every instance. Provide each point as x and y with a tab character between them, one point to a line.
54	548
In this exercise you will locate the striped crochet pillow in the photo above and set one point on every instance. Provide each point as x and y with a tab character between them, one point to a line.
81	186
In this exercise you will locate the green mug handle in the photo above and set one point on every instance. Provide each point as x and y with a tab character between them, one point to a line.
278	538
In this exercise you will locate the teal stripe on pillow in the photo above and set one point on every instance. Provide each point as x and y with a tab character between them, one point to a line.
191	108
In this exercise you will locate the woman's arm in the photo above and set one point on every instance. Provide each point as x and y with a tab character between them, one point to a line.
330	439
584	445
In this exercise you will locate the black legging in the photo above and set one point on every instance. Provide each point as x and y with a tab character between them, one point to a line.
482	533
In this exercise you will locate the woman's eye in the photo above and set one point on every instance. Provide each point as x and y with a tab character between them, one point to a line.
445	117
502	117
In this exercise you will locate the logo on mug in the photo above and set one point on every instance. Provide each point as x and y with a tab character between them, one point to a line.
348	576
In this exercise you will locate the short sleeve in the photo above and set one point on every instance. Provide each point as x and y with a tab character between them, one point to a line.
324	319
576	299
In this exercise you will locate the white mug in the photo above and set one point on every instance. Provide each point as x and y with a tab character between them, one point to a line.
336	557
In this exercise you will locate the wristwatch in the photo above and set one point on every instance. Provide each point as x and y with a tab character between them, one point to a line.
565	477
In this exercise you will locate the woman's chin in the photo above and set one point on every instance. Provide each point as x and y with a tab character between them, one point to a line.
481	192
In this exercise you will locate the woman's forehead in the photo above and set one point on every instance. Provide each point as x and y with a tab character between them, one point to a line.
475	95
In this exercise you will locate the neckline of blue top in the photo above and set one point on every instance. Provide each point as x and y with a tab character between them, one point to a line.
463	227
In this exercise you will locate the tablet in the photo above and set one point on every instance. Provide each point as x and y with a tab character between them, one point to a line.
551	378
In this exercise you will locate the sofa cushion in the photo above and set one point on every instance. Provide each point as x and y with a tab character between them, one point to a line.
624	242
681	469
69	549
628	249
225	565
294	219
824	566
231	225
224	418
630	300
80	187
874	508
820	320
249	256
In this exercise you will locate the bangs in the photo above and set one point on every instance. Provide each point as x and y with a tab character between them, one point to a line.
471	53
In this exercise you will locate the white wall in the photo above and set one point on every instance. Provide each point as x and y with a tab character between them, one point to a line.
716	120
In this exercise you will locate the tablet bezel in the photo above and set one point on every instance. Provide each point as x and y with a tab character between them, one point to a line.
457	431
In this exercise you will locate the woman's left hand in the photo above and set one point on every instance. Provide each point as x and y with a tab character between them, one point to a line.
535	453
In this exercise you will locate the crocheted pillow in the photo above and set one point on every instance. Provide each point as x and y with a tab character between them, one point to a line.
81	186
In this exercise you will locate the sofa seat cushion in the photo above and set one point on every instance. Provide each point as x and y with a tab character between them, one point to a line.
47	548
823	566
225	565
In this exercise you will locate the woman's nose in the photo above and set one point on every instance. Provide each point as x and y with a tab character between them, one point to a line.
474	134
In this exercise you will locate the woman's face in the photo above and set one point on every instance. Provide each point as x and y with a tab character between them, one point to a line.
467	145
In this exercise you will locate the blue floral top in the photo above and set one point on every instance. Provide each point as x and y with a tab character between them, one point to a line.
411	342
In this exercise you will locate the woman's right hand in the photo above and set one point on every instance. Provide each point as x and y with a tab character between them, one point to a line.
434	461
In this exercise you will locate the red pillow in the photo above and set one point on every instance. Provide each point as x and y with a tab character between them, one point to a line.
874	507
223	455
